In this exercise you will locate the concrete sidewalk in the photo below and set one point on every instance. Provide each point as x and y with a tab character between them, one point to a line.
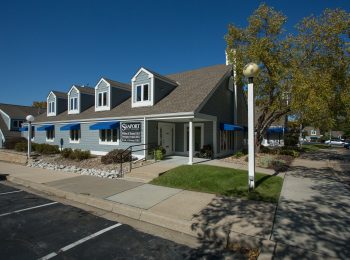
212	220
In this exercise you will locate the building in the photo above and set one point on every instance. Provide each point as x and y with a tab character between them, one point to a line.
11	120
169	111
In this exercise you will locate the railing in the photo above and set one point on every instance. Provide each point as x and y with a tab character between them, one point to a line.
126	155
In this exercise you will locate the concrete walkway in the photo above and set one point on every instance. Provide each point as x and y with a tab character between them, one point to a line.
313	215
211	220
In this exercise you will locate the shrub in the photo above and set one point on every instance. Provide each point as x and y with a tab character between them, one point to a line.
159	153
45	148
116	156
265	161
270	162
65	153
21	147
81	155
293	153
11	142
206	151
238	154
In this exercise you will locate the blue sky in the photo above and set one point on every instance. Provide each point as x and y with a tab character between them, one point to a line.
50	45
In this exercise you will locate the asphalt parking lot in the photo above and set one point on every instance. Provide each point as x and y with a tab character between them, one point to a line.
32	227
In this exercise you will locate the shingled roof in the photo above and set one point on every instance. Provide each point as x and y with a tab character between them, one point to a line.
85	90
118	84
20	112
60	94
193	89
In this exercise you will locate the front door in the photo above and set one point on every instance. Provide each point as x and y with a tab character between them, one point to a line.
166	134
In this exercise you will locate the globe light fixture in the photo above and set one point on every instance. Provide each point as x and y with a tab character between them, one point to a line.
250	71
29	119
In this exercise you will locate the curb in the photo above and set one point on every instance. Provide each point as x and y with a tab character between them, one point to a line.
181	227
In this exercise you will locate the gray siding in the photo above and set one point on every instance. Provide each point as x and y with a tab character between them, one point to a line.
61	105
86	101
89	139
161	89
6	119
142	78
118	96
221	105
153	132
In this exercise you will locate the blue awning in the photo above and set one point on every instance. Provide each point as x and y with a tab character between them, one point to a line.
45	128
75	126
25	128
278	129
105	125
230	127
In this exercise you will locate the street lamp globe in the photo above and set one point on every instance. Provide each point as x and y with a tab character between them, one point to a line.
30	118
251	70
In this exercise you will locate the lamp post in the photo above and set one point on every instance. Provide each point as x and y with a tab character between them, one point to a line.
251	70
30	119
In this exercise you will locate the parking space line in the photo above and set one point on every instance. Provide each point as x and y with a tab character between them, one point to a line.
4	193
76	243
20	210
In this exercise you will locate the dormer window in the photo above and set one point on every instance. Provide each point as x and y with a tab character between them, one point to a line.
102	99
51	107
73	102
142	93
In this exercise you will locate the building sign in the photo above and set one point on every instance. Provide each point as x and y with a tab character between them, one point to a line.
130	132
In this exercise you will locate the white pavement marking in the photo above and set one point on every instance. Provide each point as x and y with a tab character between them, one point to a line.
4	193
20	210
76	243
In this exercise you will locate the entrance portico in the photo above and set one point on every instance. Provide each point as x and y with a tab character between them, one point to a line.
184	136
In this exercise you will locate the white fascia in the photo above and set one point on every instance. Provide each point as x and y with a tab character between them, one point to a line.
75	111
103	108
3	112
47	107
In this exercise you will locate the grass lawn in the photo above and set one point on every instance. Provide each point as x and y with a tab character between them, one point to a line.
314	147
220	180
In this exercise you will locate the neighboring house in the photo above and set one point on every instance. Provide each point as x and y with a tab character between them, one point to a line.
312	134
169	111
11	119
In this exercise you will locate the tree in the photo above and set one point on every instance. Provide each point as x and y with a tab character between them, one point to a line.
39	104
306	74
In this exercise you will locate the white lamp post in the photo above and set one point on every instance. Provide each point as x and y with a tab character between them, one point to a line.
30	119
251	70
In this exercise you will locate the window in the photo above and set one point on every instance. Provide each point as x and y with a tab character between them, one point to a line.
313	132
73	103
142	93
226	140
74	136
50	135
109	136
51	107
102	99
15	123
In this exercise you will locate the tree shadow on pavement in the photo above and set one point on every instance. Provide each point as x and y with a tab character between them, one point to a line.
222	224
314	215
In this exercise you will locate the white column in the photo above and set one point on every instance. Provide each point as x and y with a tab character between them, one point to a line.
190	142
251	138
235	113
145	136
29	139
215	139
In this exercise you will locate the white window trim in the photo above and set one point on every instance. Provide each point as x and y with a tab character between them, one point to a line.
74	141
313	132
50	140
74	111
150	101
49	102
106	142
109	98
185	135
